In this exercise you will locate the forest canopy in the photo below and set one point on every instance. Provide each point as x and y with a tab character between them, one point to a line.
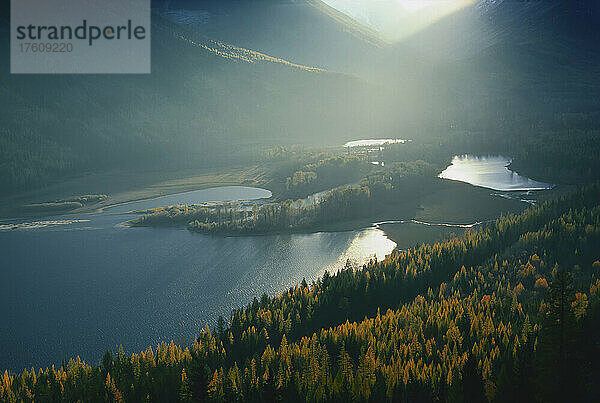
504	313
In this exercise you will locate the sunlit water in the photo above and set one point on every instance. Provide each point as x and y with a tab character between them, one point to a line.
220	194
76	285
489	172
374	142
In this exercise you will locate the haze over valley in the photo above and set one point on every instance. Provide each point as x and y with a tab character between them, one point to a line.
391	200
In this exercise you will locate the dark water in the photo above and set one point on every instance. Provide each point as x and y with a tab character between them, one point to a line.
490	172
77	285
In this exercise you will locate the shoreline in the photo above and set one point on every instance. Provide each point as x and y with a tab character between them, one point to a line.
426	211
130	187
346	226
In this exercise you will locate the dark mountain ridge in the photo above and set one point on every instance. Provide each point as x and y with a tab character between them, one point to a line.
202	97
505	68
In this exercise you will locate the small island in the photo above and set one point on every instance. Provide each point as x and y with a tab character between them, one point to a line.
378	195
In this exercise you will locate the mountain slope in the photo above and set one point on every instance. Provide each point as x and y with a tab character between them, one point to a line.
503	68
305	31
508	312
511	66
202	97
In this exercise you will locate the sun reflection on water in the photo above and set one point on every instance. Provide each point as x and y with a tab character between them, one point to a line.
367	244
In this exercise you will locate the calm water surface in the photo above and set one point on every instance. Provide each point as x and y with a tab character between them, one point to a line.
489	172
374	142
76	285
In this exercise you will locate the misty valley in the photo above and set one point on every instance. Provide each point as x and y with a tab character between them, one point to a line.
307	200
107	254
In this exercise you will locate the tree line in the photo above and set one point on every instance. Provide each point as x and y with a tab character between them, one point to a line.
377	190
509	312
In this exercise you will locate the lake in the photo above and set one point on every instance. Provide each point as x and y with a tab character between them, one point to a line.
489	172
374	142
79	284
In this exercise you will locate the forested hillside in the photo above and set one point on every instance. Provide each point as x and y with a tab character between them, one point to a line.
202	97
264	93
506	313
505	74
306	32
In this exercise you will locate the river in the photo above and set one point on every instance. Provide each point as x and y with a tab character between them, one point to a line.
79	284
490	172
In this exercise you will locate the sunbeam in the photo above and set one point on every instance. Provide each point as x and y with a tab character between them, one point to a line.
398	19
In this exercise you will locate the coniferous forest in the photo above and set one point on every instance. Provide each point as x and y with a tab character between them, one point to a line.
509	312
300	201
